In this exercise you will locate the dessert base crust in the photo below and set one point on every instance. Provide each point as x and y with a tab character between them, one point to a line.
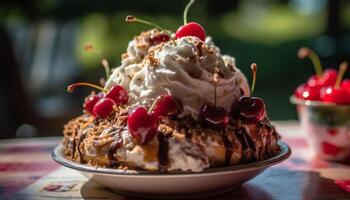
180	142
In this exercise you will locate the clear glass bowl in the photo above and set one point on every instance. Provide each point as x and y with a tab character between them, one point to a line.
327	127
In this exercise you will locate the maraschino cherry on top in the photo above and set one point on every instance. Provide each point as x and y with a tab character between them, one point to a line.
188	29
155	40
164	36
211	115
248	107
191	28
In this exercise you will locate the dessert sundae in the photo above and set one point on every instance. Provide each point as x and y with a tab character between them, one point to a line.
174	104
323	105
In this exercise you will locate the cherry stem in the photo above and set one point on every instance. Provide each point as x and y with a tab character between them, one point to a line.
189	4
131	18
104	62
342	69
306	52
254	68
73	86
153	105
105	65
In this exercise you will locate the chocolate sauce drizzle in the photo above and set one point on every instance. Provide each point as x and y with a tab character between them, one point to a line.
72	143
188	136
81	139
241	137
272	133
228	148
252	146
267	125
188	121
248	145
116	144
163	159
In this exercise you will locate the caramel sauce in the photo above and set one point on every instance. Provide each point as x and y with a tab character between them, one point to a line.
150	152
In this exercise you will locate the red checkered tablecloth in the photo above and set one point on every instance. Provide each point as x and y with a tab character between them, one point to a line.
27	171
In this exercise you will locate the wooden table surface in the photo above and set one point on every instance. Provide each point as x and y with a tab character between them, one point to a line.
27	171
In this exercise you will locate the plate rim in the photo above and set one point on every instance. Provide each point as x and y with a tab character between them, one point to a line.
284	154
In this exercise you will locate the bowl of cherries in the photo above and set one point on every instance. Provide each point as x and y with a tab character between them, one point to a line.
323	106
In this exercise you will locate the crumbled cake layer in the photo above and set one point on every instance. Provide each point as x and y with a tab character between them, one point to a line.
180	143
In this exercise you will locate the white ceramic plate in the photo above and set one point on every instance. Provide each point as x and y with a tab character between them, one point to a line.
173	185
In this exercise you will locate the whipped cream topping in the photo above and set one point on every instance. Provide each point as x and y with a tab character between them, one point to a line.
184	71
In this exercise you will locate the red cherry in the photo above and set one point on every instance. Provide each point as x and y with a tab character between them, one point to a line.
314	81
298	93
191	29
103	107
166	105
91	100
329	77
214	117
158	38
335	95
308	92
331	149
346	84
118	94
142	126
332	131
249	108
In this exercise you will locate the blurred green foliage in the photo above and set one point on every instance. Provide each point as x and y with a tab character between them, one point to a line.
268	34
277	25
